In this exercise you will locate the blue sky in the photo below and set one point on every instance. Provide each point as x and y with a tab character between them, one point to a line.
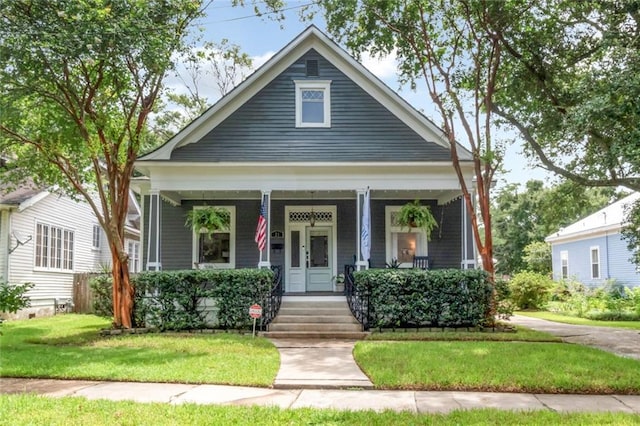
261	37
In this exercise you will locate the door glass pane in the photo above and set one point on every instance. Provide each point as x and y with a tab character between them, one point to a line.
295	249
319	251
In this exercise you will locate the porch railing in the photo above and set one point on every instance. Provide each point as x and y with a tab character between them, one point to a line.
274	299
358	300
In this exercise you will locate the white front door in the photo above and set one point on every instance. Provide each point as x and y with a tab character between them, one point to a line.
318	259
310	251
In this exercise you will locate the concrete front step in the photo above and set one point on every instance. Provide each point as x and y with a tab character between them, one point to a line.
315	317
315	304
288	310
306	326
352	335
338	319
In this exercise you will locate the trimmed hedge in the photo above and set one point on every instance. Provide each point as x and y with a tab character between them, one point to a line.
418	298
178	300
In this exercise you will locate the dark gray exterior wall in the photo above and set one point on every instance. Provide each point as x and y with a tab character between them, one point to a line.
263	129
176	243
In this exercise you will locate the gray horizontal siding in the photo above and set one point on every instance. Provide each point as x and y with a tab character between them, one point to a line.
445	250
263	129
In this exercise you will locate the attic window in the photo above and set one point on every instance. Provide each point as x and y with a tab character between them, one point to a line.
312	67
313	103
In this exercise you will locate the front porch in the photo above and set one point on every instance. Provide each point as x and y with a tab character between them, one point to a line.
311	234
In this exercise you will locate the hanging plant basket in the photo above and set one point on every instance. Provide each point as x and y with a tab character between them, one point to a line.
208	219
415	215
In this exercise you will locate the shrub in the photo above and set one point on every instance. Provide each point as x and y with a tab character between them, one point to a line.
634	297
102	286
174	300
410	297
530	290
504	305
12	297
612	316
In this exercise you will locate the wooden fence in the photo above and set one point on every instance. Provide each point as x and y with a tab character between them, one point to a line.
82	293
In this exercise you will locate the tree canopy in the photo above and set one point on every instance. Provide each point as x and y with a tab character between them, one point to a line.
79	80
570	83
525	216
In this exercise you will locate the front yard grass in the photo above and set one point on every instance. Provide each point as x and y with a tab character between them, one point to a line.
523	334
497	367
70	347
551	316
37	410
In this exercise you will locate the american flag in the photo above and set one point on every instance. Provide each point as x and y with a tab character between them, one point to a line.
261	230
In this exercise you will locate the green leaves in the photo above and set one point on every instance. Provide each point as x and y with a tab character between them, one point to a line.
12	297
209	219
192	299
417	298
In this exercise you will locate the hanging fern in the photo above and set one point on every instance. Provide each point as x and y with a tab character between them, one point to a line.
208	219
415	215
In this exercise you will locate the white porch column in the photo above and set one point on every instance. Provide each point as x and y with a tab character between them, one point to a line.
265	256
153	232
360	263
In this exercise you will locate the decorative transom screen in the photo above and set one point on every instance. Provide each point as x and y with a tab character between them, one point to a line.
394	218
297	217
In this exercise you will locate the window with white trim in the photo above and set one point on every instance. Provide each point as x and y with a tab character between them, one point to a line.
97	230
313	103
595	261
133	250
403	243
216	250
564	264
54	247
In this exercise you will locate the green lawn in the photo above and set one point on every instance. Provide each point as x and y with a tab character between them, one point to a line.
551	316
523	334
70	347
20	410
497	366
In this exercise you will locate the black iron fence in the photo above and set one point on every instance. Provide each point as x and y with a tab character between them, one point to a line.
358	300
274	299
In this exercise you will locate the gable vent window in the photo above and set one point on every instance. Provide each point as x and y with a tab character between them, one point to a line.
312	67
313	103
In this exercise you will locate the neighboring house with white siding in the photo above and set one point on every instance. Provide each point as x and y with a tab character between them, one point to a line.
46	238
592	250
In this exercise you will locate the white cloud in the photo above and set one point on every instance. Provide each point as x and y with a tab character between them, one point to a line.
382	67
259	60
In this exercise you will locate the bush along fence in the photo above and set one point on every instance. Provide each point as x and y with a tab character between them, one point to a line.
191	299
418	298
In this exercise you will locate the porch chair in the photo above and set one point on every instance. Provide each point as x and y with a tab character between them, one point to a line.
421	262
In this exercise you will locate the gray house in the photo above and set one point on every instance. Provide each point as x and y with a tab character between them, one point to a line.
305	136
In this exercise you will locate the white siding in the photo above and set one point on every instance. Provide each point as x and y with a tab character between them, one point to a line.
4	243
61	212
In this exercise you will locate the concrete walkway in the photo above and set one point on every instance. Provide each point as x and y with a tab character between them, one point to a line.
414	401
619	341
318	364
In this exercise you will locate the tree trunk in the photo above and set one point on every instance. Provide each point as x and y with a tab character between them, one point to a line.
123	294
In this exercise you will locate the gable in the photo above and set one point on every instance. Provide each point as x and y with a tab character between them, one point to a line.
264	127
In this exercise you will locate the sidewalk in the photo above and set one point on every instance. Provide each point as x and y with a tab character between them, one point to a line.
414	401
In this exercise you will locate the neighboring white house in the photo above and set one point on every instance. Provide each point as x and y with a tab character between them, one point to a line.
592	250
46	238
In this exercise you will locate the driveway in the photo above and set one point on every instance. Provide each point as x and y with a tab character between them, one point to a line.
620	341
